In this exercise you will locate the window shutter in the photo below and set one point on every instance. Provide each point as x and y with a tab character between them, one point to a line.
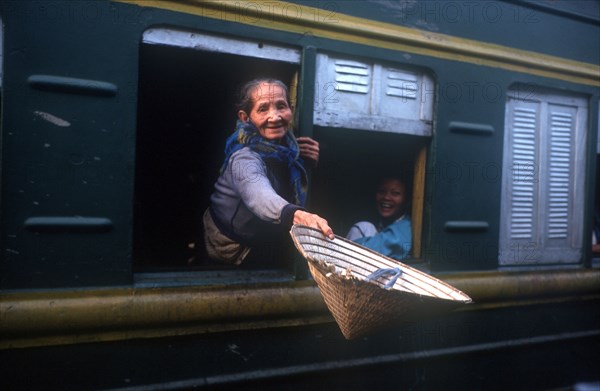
541	215
524	168
353	94
562	129
521	179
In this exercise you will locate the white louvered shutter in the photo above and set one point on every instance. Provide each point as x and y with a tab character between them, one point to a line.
370	96
542	198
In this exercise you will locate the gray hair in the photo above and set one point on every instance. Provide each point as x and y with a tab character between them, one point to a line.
245	99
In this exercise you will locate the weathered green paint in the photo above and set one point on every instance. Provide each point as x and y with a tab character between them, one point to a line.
47	318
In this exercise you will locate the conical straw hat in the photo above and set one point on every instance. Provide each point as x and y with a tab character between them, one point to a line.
340	268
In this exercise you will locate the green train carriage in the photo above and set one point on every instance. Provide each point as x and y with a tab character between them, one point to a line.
114	115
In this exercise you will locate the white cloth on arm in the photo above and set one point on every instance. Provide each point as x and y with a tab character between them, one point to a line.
362	229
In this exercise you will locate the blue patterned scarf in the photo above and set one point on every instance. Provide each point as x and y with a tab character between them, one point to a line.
246	135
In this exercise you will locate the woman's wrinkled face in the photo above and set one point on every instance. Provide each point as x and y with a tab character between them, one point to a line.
390	198
270	113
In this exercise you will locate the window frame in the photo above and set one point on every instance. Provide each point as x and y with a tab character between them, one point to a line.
146	274
220	44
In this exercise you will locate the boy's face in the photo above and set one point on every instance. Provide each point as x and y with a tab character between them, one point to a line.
390	198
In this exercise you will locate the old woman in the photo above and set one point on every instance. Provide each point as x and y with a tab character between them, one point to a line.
261	191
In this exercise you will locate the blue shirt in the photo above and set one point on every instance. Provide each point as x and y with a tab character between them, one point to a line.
394	241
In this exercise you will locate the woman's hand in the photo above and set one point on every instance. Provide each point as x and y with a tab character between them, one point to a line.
309	149
314	221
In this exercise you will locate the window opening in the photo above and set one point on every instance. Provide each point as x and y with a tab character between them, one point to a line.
372	118
187	92
351	165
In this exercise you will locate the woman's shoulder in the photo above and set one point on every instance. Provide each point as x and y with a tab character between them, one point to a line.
245	153
244	162
401	221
